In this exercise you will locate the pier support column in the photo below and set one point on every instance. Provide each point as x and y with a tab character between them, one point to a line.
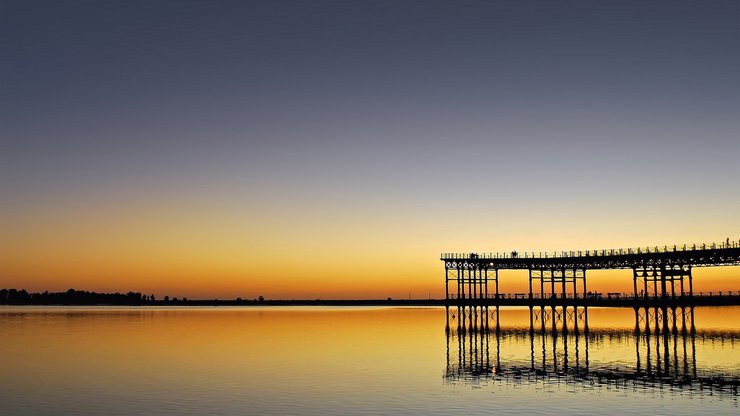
565	300
634	284
664	298
447	299
575	301
498	304
542	301
531	305
553	297
461	297
636	306
585	309
453	273
470	289
474	298
691	299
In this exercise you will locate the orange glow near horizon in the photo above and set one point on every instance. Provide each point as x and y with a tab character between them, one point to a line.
233	248
308	276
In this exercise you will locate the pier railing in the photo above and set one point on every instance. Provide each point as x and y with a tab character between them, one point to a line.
608	295
591	253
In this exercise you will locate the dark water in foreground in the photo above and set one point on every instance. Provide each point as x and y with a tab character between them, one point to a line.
132	361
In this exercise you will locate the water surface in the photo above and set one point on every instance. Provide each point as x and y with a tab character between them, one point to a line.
131	361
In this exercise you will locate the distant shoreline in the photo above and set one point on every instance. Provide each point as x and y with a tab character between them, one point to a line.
74	297
608	303
84	298
212	302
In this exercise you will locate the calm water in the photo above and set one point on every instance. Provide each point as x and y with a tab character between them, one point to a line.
132	361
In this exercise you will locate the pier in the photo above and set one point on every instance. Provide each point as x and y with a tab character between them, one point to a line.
662	281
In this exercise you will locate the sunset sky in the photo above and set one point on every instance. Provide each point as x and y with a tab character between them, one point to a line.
332	149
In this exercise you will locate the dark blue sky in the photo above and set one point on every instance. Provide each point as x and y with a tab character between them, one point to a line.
88	79
379	112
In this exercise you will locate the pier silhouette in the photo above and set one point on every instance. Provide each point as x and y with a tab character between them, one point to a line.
661	276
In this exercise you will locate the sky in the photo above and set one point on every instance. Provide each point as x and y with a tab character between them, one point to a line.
333	149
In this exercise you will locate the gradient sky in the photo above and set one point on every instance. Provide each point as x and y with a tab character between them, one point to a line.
334	148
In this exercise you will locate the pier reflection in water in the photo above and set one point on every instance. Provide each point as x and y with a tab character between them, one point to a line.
663	344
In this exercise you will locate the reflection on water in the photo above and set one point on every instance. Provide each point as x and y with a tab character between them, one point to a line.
663	343
339	361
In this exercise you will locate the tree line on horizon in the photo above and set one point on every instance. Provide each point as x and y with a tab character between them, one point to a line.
84	297
73	297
